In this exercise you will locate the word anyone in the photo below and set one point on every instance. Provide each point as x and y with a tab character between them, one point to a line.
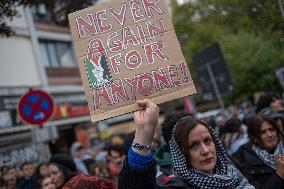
142	84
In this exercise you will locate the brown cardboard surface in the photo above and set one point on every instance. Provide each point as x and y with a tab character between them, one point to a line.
82	45
128	58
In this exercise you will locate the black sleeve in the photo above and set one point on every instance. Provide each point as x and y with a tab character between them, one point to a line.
130	178
271	181
274	181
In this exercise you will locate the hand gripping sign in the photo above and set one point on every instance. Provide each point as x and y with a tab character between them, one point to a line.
127	50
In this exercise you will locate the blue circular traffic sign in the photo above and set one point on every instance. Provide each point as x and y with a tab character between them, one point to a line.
36	107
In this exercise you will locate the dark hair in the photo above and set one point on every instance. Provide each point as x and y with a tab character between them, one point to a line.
2	182
68	174
169	123
4	169
26	163
64	160
39	182
183	128
79	148
37	170
65	164
117	148
101	166
254	127
233	125
265	100
37	178
9	168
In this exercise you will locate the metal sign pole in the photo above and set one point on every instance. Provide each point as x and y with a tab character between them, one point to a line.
215	87
281	4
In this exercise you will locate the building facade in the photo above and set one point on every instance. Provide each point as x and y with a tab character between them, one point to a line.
40	55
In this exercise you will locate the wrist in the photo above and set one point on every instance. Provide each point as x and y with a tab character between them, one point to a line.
143	138
144	152
141	148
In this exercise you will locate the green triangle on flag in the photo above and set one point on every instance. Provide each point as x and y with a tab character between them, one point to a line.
91	77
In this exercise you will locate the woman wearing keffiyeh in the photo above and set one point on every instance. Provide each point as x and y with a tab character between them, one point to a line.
262	160
198	157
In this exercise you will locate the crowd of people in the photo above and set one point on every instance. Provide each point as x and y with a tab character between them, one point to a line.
105	164
240	149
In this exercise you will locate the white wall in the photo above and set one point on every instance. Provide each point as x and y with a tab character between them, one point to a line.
18	22
17	63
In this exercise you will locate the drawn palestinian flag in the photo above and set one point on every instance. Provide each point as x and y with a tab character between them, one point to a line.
98	71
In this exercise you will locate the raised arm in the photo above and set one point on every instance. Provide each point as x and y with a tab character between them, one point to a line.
146	121
138	170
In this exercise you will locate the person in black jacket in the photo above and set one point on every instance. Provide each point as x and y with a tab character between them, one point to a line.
262	160
26	181
198	157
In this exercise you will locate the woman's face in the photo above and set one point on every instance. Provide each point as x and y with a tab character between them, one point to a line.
268	136
201	149
47	183
80	152
56	175
276	104
43	170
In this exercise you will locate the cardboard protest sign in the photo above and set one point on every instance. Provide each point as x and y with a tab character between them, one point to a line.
127	50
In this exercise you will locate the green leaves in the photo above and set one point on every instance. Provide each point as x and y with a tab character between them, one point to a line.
249	33
57	11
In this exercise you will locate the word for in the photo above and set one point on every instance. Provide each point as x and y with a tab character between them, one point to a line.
132	58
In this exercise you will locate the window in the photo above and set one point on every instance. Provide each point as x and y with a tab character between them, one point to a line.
57	54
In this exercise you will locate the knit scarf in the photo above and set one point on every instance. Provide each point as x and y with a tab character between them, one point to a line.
267	158
89	182
225	175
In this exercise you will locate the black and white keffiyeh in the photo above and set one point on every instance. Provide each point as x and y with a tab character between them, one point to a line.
267	158
225	175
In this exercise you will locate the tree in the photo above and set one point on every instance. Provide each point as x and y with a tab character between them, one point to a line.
249	33
57	9
252	61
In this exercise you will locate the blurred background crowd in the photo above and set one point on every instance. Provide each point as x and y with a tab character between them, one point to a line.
239	126
239	91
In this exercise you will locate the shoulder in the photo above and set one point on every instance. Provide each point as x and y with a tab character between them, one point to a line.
244	156
250	164
243	152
